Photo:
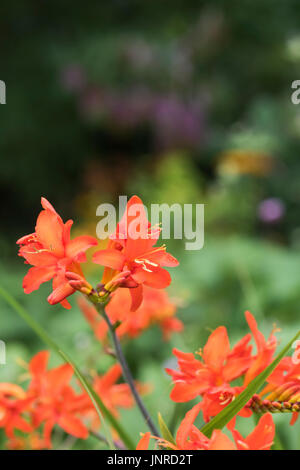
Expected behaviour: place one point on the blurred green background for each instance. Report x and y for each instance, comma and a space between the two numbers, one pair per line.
176, 101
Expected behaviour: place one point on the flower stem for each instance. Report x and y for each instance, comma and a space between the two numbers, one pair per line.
126, 372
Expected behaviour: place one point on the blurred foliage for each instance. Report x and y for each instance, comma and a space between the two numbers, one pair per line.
176, 101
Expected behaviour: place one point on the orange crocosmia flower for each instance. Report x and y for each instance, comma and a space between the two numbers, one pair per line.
261, 438
215, 399
219, 365
14, 402
211, 377
131, 250
52, 253
115, 395
188, 437
55, 402
156, 308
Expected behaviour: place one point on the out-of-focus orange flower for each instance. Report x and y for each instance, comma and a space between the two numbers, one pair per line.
114, 395
131, 251
188, 437
50, 400
156, 308
211, 377
32, 441
14, 402
55, 402
51, 252
261, 438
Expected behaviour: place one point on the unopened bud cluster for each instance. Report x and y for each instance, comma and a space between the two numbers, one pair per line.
267, 406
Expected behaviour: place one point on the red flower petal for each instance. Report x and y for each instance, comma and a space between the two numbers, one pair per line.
79, 245
186, 425
144, 442
158, 278
110, 258
262, 436
37, 256
162, 258
74, 426
219, 441
49, 231
26, 239
183, 392
47, 206
36, 276
59, 377
217, 348
136, 297
67, 232
257, 335
111, 376
65, 304
38, 364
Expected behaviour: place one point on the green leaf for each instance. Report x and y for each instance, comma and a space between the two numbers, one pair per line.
101, 409
222, 418
166, 433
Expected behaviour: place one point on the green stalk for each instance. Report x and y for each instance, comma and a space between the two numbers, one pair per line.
126, 371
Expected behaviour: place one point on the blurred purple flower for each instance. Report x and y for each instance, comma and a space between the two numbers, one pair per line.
132, 109
175, 123
271, 210
178, 124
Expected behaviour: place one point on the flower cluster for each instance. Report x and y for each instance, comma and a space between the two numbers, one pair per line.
213, 375
131, 260
51, 400
130, 298
52, 253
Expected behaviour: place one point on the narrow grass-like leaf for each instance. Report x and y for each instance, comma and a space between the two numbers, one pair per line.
222, 418
165, 432
101, 409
